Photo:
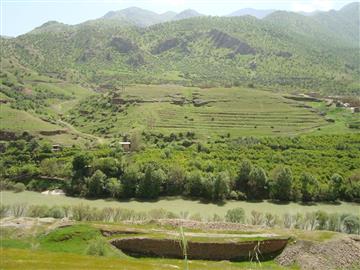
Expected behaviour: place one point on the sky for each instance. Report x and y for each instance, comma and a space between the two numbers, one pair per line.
21, 16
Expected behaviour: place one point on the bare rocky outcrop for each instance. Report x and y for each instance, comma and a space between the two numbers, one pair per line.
170, 248
123, 45
341, 253
224, 40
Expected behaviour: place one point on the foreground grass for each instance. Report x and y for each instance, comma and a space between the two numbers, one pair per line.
29, 259
67, 248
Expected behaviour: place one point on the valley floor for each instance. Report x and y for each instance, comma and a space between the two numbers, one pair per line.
178, 205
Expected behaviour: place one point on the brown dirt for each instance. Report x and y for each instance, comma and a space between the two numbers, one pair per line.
341, 253
192, 224
170, 248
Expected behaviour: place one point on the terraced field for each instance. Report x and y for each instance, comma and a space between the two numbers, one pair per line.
238, 111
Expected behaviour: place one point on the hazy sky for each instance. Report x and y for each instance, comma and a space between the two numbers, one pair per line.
21, 16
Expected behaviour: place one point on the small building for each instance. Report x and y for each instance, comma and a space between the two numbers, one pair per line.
56, 147
355, 109
126, 146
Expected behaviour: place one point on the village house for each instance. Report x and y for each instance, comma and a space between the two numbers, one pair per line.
126, 146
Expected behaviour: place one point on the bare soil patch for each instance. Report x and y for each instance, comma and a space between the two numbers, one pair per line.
341, 253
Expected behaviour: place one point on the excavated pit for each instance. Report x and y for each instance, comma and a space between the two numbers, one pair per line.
170, 248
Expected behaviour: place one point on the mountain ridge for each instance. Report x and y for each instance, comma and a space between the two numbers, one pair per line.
284, 49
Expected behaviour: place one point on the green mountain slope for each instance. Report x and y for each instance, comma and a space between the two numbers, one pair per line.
318, 52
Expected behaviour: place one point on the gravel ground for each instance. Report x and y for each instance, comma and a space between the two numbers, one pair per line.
341, 253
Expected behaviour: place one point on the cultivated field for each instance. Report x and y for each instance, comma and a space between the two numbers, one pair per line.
167, 108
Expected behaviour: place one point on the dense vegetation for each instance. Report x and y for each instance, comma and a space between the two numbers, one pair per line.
284, 49
277, 168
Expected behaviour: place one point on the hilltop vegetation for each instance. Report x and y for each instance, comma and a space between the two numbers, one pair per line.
284, 49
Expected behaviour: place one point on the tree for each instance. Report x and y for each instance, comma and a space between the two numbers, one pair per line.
81, 163
130, 181
207, 187
336, 187
114, 187
309, 187
243, 175
110, 166
257, 183
96, 184
150, 184
281, 184
175, 180
221, 186
193, 184
81, 169
236, 215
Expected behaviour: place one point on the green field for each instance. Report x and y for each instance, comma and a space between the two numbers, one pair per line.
237, 111
178, 205
17, 120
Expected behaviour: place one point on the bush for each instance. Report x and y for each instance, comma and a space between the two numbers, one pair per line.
19, 187
6, 185
351, 224
97, 247
4, 209
236, 215
81, 212
56, 212
37, 211
18, 209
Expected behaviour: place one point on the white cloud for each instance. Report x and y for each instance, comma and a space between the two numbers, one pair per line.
309, 6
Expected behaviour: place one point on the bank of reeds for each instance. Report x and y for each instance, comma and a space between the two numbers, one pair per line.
318, 220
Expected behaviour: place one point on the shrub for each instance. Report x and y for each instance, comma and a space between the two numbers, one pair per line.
37, 211
97, 247
4, 210
81, 212
351, 224
256, 218
157, 213
19, 187
6, 185
18, 209
196, 217
236, 215
56, 212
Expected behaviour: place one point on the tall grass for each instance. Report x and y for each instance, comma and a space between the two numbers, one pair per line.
319, 220
184, 248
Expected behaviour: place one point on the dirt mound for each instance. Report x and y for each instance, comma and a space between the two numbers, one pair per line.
170, 248
26, 223
192, 224
341, 253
